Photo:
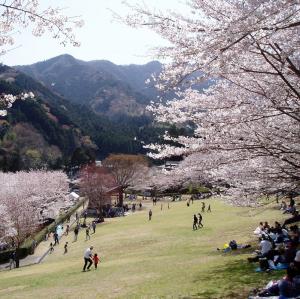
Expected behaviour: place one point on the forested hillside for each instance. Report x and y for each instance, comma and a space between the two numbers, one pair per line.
51, 131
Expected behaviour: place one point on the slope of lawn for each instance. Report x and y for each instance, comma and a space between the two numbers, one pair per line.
162, 258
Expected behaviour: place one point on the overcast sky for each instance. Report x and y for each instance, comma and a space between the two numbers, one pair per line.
101, 37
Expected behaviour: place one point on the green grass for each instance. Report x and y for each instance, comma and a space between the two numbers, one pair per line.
162, 258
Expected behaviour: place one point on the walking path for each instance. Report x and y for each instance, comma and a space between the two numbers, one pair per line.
43, 248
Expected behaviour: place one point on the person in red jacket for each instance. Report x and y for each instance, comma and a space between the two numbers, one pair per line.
96, 260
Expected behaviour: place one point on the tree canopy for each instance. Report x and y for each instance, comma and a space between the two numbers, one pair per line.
248, 122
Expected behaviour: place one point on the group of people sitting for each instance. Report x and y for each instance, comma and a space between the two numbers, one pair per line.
278, 250
291, 208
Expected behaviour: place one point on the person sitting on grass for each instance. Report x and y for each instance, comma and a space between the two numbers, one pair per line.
287, 287
266, 246
293, 219
259, 230
232, 245
294, 234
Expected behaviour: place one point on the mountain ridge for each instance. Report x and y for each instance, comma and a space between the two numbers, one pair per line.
108, 88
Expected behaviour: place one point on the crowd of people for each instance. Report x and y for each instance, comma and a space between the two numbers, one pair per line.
278, 250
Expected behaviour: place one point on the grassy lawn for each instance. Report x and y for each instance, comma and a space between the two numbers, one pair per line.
162, 258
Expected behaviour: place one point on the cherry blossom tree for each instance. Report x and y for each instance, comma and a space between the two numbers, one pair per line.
159, 179
125, 169
95, 182
247, 123
16, 15
25, 197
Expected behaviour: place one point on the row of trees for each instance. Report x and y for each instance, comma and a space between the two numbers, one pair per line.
248, 122
26, 198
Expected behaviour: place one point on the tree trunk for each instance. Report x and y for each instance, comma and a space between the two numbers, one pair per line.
17, 257
120, 203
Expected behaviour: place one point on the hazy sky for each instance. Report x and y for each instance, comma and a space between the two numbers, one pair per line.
101, 37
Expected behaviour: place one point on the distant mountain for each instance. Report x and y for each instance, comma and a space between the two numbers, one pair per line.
51, 131
107, 88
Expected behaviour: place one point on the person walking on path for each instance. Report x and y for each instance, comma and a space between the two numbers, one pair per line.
88, 258
67, 229
209, 209
55, 236
76, 231
150, 214
200, 220
66, 248
94, 226
96, 260
203, 206
195, 222
51, 247
87, 233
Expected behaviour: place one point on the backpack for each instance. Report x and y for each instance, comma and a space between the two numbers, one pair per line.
233, 245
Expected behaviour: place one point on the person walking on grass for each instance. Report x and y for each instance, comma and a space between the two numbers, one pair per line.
150, 215
203, 206
76, 231
12, 260
200, 220
87, 233
96, 260
195, 222
88, 261
94, 226
209, 209
66, 248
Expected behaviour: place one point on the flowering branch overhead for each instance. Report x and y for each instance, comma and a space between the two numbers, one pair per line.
247, 123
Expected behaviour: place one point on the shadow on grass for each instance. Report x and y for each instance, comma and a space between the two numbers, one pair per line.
233, 280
